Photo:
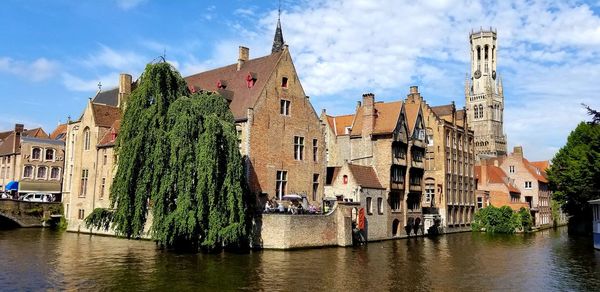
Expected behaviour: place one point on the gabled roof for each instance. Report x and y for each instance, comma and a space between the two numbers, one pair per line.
535, 171
105, 115
242, 97
6, 146
386, 118
3, 135
496, 175
108, 97
108, 139
542, 165
338, 124
442, 110
59, 133
365, 176
37, 133
412, 112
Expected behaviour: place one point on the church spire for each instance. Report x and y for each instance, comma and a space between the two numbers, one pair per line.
278, 39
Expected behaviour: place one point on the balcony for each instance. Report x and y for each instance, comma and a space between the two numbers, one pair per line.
415, 188
416, 164
399, 161
397, 185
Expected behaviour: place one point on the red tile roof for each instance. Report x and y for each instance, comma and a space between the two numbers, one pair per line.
108, 140
496, 175
105, 115
386, 118
338, 124
6, 146
59, 132
537, 172
412, 112
242, 97
442, 110
365, 176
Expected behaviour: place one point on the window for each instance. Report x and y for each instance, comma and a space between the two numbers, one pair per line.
41, 172
345, 179
86, 139
315, 186
417, 155
369, 206
81, 214
284, 82
27, 171
298, 148
55, 173
397, 174
36, 154
514, 199
511, 169
102, 187
395, 201
480, 111
380, 206
399, 150
347, 130
429, 140
2, 173
104, 157
528, 185
284, 107
84, 182
281, 183
479, 202
315, 150
50, 154
475, 112
429, 193
415, 180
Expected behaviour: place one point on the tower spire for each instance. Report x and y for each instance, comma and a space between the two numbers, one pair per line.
278, 39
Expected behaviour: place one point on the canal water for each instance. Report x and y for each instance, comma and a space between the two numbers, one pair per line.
40, 259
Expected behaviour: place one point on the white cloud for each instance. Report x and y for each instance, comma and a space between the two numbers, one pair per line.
129, 4
548, 56
75, 83
113, 59
38, 70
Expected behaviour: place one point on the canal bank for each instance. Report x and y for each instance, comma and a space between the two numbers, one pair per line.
548, 260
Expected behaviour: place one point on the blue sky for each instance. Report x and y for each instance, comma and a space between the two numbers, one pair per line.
53, 54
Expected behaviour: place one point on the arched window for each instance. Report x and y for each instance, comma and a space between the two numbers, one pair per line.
41, 172
86, 138
36, 153
475, 112
28, 171
345, 179
486, 51
478, 53
50, 154
481, 111
55, 173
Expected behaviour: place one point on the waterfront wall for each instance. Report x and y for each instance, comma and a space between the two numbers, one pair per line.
282, 231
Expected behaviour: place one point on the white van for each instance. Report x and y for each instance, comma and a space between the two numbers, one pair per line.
35, 197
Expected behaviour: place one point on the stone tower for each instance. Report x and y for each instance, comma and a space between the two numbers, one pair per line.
484, 96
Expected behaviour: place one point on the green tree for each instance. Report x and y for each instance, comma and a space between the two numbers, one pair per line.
496, 220
525, 219
178, 158
575, 174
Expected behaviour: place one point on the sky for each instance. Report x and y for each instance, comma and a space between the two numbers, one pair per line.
53, 54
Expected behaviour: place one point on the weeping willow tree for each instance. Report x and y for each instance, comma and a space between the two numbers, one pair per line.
178, 152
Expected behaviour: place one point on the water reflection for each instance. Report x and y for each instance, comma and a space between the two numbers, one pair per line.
34, 259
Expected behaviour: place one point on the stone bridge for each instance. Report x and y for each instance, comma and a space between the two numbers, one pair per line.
28, 214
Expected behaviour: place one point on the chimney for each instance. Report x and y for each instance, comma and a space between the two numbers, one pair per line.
518, 151
19, 128
368, 104
413, 94
243, 57
483, 174
414, 89
124, 89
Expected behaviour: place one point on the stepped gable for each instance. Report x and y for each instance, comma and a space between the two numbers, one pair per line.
237, 82
365, 176
386, 118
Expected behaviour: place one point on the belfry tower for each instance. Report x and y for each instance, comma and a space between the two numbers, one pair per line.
484, 96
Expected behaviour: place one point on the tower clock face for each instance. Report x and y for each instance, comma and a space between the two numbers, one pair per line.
477, 74
494, 74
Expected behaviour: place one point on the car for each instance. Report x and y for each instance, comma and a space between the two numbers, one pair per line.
36, 197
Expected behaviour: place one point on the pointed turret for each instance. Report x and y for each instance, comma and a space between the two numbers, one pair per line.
467, 86
500, 89
278, 42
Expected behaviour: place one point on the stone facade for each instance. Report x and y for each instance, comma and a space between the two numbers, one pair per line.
449, 161
32, 159
484, 96
532, 182
390, 140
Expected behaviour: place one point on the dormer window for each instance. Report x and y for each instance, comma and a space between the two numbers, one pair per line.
347, 130
284, 82
251, 79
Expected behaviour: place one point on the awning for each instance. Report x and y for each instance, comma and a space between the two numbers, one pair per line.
12, 186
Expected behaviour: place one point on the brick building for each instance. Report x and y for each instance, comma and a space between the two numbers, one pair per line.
377, 159
30, 162
496, 188
449, 159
